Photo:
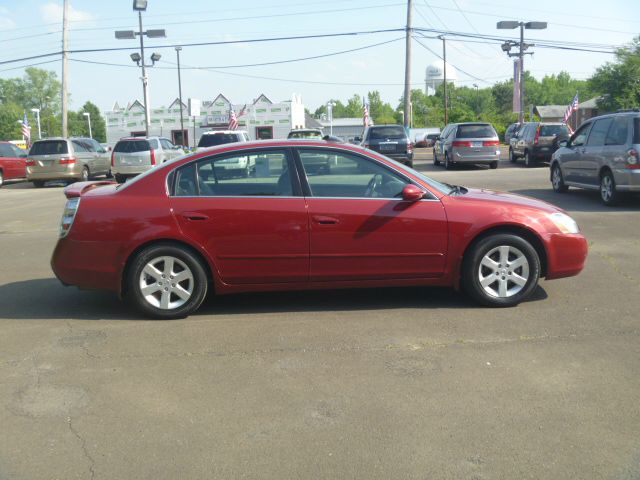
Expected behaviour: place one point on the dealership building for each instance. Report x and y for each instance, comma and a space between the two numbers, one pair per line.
261, 119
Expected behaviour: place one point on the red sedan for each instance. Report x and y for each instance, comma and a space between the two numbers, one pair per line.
12, 163
304, 215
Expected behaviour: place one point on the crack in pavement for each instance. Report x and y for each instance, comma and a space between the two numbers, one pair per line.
83, 445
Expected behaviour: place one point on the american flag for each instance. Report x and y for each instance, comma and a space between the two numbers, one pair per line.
365, 114
26, 129
233, 120
571, 108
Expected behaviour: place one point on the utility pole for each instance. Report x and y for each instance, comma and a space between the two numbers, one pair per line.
65, 68
180, 98
145, 79
407, 68
521, 65
446, 97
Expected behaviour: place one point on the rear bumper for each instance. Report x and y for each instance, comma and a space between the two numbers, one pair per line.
627, 180
463, 157
542, 153
36, 174
130, 170
399, 157
567, 254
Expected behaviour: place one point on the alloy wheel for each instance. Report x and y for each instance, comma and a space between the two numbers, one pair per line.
166, 282
503, 271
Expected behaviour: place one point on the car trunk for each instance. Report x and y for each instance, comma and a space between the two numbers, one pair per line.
50, 156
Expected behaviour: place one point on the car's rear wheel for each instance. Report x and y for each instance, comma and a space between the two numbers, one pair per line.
608, 193
448, 164
120, 178
38, 183
1, 179
436, 162
409, 164
557, 181
84, 176
493, 165
501, 270
166, 281
528, 163
512, 156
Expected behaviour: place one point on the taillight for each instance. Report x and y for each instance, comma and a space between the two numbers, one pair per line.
67, 161
113, 159
410, 147
152, 152
366, 145
535, 140
491, 143
632, 160
459, 143
30, 162
68, 215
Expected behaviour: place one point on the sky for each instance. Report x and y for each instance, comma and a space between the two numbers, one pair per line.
343, 65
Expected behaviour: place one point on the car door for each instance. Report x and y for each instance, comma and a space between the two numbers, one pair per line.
571, 157
255, 228
439, 142
615, 150
587, 170
84, 155
103, 160
361, 229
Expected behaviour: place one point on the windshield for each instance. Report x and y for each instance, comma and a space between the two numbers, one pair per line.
213, 139
476, 131
394, 131
442, 187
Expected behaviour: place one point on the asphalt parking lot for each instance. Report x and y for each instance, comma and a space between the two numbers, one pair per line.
362, 384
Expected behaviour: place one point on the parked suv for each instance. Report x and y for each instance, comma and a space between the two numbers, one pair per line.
133, 156
70, 159
601, 155
390, 140
536, 142
473, 142
220, 137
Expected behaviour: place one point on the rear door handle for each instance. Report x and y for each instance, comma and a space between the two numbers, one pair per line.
322, 220
195, 216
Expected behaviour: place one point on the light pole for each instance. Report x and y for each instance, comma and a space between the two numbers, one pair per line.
37, 112
477, 100
180, 98
506, 47
141, 6
88, 115
330, 114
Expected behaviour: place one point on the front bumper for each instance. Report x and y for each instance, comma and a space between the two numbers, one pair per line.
566, 255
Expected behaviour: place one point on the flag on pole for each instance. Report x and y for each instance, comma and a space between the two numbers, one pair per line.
26, 129
571, 108
365, 113
233, 120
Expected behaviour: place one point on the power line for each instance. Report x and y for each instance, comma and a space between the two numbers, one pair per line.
456, 67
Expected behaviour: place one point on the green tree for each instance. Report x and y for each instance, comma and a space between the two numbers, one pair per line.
79, 126
10, 114
619, 82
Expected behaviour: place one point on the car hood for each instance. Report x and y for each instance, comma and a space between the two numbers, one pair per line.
506, 198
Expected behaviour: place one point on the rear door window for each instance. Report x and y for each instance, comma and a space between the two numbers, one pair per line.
599, 132
618, 132
476, 131
49, 147
551, 130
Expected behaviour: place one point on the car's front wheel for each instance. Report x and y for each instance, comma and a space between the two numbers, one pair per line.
501, 270
166, 281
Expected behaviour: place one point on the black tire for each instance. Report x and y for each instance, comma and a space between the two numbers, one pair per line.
557, 180
120, 178
448, 164
436, 162
1, 179
609, 195
528, 163
38, 183
512, 156
151, 305
493, 165
409, 164
85, 175
474, 271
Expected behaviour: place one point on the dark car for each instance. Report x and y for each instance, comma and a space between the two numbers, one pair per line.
390, 140
12, 163
511, 131
536, 142
166, 238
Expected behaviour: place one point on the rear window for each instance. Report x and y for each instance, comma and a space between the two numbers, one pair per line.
49, 147
307, 134
387, 132
476, 131
132, 146
211, 140
636, 131
433, 136
551, 130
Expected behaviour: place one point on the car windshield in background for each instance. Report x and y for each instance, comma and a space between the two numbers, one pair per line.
49, 147
217, 139
433, 136
636, 131
475, 131
132, 146
317, 135
551, 130
378, 133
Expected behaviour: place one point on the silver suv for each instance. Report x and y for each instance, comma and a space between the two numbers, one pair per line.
135, 155
471, 143
70, 159
601, 155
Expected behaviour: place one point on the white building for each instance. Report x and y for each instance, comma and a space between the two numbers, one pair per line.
262, 119
435, 76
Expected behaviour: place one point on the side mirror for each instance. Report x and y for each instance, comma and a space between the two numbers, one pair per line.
411, 193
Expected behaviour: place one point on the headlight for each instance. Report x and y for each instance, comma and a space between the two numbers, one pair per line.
564, 222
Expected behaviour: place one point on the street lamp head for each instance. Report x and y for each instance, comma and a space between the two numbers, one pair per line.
125, 34
140, 5
155, 57
158, 33
35, 110
535, 25
178, 49
506, 47
135, 57
86, 114
507, 25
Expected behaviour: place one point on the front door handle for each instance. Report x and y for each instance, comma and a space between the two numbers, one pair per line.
322, 220
195, 216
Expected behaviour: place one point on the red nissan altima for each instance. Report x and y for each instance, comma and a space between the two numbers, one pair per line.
290, 215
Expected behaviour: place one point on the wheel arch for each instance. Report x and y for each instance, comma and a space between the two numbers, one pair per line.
527, 234
208, 267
